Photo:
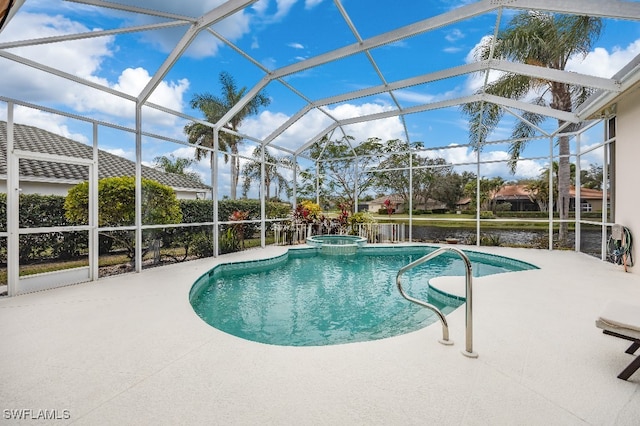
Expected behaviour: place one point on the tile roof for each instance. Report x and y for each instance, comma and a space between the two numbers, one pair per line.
520, 191
512, 192
29, 138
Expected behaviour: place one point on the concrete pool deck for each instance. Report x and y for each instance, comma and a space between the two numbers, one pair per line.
130, 350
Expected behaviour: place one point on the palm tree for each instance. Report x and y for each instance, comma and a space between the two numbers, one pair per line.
546, 40
252, 171
176, 165
214, 108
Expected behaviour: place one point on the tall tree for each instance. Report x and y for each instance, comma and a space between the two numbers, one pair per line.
252, 170
592, 178
488, 188
449, 188
343, 168
214, 108
426, 172
176, 165
546, 40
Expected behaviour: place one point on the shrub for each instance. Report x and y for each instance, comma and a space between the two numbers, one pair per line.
37, 210
202, 243
490, 240
116, 207
503, 207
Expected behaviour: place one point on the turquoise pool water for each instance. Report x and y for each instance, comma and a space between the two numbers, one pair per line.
305, 298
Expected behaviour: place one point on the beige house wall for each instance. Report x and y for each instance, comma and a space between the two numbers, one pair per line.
627, 160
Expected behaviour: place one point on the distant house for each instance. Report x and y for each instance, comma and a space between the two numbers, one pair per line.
464, 204
518, 197
52, 178
399, 205
396, 203
590, 199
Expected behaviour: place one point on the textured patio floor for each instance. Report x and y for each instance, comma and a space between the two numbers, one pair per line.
130, 350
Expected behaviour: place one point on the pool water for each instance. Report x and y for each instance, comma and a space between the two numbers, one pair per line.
305, 298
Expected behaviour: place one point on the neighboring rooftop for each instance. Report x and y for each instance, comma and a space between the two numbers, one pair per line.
34, 139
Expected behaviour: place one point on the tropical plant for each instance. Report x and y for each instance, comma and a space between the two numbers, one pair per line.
239, 228
546, 40
538, 189
488, 188
307, 212
176, 165
360, 218
214, 108
252, 171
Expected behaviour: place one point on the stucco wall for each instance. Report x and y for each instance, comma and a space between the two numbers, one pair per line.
627, 162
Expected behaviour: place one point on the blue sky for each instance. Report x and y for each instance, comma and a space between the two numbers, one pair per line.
276, 33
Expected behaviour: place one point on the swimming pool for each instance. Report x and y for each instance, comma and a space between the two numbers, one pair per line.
305, 298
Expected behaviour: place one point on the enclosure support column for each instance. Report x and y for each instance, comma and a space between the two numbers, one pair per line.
411, 197
263, 192
356, 188
138, 190
295, 181
317, 183
478, 197
214, 190
551, 193
13, 192
609, 178
605, 216
94, 246
577, 204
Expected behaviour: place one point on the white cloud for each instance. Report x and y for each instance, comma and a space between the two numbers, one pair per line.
309, 4
451, 49
233, 27
599, 62
43, 120
129, 155
454, 35
602, 63
471, 56
315, 122
295, 45
260, 7
496, 162
263, 124
413, 96
283, 8
81, 58
78, 57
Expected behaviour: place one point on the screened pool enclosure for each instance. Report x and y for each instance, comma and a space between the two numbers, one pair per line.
375, 112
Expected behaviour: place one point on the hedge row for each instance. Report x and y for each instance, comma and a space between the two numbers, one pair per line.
48, 210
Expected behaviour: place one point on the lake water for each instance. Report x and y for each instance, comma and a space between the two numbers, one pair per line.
590, 238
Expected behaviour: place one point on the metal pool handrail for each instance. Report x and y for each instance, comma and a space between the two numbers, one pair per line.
469, 311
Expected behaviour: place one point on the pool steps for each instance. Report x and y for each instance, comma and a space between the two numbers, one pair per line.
468, 352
